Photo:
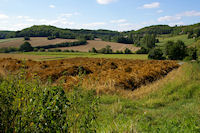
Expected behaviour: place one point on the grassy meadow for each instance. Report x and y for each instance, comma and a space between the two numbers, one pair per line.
61, 55
165, 38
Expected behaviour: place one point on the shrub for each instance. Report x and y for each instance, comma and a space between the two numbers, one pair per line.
26, 47
119, 52
33, 107
192, 53
127, 51
94, 50
35, 49
175, 50
51, 37
66, 50
156, 54
26, 38
41, 50
142, 51
8, 50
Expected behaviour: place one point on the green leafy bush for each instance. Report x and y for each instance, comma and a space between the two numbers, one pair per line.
26, 47
32, 107
156, 54
127, 51
142, 51
176, 50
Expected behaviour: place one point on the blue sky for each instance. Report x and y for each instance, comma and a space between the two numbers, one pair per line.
120, 15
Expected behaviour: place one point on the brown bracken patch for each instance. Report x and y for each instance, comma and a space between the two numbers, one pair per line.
104, 75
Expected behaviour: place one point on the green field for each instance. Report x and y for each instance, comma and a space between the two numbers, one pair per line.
61, 55
7, 40
165, 38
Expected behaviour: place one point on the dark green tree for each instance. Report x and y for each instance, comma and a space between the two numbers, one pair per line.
192, 53
176, 51
156, 54
149, 41
108, 49
127, 51
142, 51
26, 38
94, 50
26, 47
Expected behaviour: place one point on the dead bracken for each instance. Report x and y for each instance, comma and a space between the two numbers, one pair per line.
122, 73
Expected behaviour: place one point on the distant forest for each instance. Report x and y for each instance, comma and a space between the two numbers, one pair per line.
128, 37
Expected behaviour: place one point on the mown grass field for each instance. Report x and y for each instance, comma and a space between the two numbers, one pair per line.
98, 44
34, 41
62, 55
165, 38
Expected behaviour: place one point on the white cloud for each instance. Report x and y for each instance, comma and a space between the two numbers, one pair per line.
151, 5
23, 17
105, 2
118, 21
190, 13
3, 16
169, 18
160, 11
52, 6
179, 16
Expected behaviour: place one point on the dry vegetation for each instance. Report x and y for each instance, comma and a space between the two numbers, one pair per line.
98, 44
104, 75
35, 41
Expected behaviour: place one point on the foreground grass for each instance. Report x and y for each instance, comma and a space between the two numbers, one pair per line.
165, 38
174, 107
56, 55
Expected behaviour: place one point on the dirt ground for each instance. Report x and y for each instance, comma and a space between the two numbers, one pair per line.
104, 75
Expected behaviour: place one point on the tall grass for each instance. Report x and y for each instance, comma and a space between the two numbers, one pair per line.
174, 107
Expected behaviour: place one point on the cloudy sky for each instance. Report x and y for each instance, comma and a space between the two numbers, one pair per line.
120, 15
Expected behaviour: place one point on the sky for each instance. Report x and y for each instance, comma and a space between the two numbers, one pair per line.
118, 15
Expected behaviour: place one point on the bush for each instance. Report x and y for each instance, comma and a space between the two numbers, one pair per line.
35, 49
192, 53
94, 50
8, 50
176, 50
66, 50
26, 47
51, 37
33, 107
127, 51
41, 50
26, 38
156, 54
119, 52
54, 50
142, 51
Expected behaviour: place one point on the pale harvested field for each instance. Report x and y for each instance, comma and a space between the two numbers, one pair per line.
101, 44
35, 41
24, 56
